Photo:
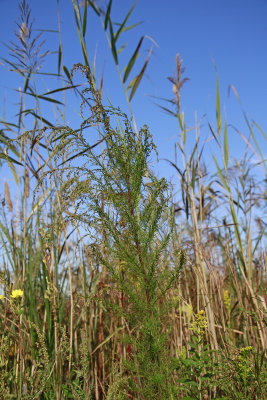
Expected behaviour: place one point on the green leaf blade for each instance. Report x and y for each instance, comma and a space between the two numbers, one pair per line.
132, 60
226, 145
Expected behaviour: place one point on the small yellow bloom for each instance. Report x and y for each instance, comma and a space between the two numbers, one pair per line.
245, 352
200, 324
1, 296
244, 359
16, 293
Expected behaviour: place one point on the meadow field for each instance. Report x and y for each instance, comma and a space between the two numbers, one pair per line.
117, 283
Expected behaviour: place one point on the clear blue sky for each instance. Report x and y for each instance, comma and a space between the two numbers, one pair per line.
231, 32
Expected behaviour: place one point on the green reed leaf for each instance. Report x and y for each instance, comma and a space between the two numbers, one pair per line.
10, 159
218, 109
121, 48
94, 7
107, 17
122, 27
132, 60
113, 43
226, 145
213, 134
140, 76
85, 19
221, 175
59, 58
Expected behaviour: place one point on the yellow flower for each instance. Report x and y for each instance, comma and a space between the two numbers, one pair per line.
245, 352
244, 359
1, 296
200, 324
16, 293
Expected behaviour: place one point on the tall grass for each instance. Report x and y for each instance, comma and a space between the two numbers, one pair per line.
115, 283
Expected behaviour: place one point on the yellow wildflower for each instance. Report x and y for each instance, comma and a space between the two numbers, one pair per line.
200, 324
244, 352
244, 360
16, 293
1, 296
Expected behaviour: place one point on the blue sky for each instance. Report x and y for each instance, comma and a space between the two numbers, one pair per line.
232, 33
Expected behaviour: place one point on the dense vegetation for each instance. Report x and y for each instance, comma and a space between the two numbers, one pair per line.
116, 284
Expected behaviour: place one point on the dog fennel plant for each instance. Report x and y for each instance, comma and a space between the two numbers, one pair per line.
123, 207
